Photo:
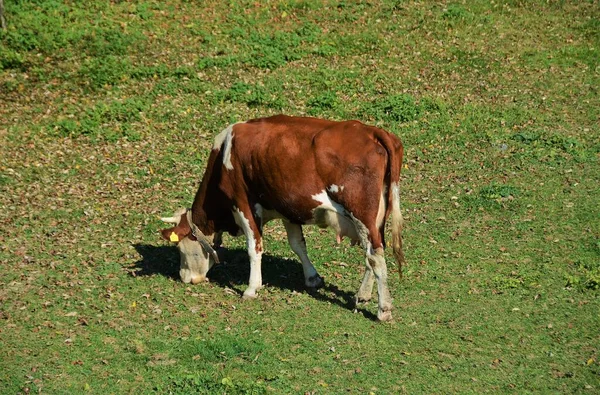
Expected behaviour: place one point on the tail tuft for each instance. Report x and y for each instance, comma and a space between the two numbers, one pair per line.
397, 223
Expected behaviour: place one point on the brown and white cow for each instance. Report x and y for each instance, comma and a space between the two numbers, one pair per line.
342, 175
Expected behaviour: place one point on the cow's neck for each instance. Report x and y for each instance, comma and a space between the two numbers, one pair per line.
200, 218
208, 210
200, 209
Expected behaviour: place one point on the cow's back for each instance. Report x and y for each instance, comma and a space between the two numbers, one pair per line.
282, 162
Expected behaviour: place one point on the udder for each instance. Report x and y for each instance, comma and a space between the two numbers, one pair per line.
341, 225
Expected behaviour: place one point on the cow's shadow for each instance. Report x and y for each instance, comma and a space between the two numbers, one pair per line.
234, 270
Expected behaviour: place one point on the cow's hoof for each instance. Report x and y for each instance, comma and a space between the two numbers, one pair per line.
384, 315
361, 299
249, 295
315, 282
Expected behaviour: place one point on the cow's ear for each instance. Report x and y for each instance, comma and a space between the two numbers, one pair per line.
171, 234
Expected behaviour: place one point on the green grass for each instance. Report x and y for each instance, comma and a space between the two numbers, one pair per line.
107, 116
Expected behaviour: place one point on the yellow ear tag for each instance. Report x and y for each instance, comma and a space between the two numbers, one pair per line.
174, 238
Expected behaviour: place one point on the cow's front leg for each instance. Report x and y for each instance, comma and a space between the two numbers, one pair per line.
255, 254
255, 248
298, 245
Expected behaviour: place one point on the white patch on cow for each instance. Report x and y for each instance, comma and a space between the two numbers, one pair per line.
224, 141
255, 281
327, 203
220, 138
335, 188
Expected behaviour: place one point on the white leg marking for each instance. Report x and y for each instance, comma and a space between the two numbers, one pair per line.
366, 287
376, 265
255, 281
294, 234
224, 141
377, 262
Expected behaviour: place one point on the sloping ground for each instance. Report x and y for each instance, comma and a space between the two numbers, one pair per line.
107, 114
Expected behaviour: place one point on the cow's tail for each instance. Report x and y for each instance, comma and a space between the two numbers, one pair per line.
395, 152
397, 223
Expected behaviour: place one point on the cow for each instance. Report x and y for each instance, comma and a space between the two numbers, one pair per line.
342, 175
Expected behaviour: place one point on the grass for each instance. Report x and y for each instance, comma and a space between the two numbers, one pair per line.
107, 115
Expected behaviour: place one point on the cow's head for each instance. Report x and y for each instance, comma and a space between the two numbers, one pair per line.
197, 255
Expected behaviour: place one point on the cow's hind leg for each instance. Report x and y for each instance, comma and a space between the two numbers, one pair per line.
377, 261
371, 241
366, 287
255, 248
298, 245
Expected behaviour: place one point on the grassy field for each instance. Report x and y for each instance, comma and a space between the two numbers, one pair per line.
107, 115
